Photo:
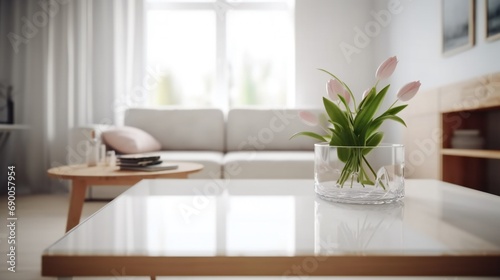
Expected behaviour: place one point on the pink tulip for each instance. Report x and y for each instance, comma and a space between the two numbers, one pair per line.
308, 118
386, 69
408, 91
334, 88
346, 96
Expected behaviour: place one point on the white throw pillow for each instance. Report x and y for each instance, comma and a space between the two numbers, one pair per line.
130, 140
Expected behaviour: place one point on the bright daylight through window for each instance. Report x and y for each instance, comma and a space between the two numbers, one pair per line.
221, 53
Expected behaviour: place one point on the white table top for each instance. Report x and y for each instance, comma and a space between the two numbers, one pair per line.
284, 218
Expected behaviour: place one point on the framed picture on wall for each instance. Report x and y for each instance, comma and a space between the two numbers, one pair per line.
492, 20
457, 25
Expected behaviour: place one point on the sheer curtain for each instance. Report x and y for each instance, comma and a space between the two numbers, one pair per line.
72, 62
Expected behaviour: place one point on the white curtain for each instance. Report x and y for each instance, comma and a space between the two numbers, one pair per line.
72, 62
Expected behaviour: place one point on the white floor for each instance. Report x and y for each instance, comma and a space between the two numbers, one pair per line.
41, 221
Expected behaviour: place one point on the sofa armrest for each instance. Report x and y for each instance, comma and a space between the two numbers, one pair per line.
78, 139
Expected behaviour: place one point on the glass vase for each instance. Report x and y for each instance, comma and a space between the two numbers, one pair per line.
360, 175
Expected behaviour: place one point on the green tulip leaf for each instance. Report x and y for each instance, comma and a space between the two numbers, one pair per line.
336, 115
343, 154
373, 141
369, 110
368, 98
310, 134
395, 110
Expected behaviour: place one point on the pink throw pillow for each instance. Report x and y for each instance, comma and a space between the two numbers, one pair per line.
130, 140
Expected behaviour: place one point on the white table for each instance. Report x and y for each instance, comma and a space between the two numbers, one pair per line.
279, 227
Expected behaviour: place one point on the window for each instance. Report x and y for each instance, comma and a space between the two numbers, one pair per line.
221, 53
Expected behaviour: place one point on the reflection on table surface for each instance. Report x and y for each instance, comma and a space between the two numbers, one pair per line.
284, 218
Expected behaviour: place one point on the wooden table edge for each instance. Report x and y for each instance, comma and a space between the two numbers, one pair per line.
132, 175
381, 265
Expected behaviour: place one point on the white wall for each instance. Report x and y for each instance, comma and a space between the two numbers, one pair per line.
414, 36
350, 39
320, 28
412, 32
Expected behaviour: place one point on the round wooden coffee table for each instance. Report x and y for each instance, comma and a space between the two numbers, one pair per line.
83, 176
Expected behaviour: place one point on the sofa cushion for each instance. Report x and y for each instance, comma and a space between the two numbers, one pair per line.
130, 140
265, 129
181, 129
269, 165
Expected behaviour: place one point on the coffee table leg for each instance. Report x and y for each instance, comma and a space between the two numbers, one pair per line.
78, 189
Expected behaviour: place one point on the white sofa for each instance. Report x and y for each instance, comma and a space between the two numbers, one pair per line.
242, 144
